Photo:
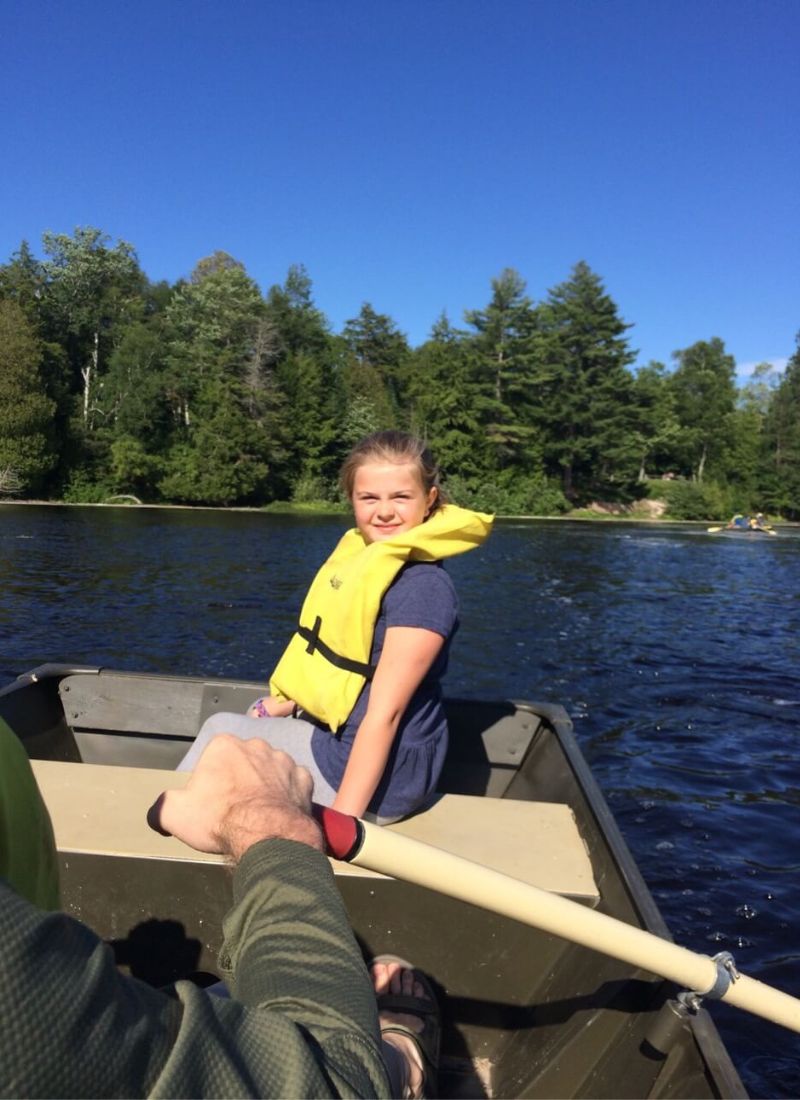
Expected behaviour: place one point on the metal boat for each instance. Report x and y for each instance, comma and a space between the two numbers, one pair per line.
526, 1013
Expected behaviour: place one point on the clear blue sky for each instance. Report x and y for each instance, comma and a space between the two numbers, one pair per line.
406, 152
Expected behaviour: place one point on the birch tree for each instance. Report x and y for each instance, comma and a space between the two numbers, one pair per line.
92, 286
705, 396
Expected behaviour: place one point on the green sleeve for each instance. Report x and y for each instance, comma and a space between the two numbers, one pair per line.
27, 851
301, 1022
303, 961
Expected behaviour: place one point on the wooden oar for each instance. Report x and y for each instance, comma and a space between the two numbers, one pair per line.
379, 849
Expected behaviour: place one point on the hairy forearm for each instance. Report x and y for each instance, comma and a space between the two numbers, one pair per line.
252, 821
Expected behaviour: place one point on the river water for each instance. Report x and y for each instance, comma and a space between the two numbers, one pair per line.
676, 654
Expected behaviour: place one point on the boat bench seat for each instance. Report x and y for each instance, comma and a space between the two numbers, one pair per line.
100, 809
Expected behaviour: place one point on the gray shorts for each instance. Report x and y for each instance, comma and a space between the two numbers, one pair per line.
291, 735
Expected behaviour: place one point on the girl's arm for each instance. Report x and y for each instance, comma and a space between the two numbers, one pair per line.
407, 655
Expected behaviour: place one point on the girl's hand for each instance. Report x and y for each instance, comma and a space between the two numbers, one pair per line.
270, 707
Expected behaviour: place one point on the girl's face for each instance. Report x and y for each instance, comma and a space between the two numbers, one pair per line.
388, 498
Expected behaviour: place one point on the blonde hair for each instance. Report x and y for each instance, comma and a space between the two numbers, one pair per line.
395, 447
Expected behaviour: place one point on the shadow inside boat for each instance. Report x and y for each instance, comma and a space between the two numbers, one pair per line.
158, 952
632, 996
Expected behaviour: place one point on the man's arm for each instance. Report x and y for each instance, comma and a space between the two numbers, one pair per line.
302, 1020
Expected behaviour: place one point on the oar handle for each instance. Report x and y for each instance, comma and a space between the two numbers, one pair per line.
343, 833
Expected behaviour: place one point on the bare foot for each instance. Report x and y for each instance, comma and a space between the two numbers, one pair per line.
392, 978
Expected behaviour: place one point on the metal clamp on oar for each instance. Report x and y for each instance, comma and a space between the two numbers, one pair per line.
727, 974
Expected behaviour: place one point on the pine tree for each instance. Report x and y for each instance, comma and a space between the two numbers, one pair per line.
782, 442
379, 353
446, 402
501, 349
585, 406
300, 328
22, 280
26, 413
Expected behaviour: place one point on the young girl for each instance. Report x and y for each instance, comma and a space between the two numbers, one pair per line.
356, 696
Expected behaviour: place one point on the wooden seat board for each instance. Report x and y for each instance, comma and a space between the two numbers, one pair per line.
101, 809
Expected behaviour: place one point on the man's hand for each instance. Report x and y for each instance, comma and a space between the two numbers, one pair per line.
239, 793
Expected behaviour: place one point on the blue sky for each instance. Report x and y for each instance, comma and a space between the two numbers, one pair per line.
406, 152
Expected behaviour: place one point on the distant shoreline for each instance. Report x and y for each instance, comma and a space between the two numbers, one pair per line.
294, 510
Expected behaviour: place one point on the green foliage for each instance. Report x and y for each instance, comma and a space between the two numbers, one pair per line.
314, 397
211, 330
22, 280
86, 487
222, 463
133, 469
705, 395
360, 419
368, 400
448, 405
134, 400
509, 494
308, 507
781, 443
693, 500
207, 392
586, 406
91, 287
757, 393
656, 431
309, 489
500, 359
379, 352
26, 413
298, 326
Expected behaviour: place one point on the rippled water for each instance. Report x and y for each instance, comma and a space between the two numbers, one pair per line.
676, 653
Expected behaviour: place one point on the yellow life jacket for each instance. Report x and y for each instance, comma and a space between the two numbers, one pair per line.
326, 663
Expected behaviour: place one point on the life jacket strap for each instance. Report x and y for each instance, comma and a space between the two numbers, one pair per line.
316, 644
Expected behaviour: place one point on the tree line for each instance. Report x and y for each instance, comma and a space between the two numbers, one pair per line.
210, 391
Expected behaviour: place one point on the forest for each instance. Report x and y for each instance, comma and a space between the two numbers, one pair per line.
213, 392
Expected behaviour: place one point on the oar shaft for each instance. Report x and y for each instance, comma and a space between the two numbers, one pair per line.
763, 1000
411, 860
379, 849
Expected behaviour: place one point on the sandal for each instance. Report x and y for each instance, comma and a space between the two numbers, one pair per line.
428, 1040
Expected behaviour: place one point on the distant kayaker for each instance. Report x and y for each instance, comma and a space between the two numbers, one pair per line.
356, 696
